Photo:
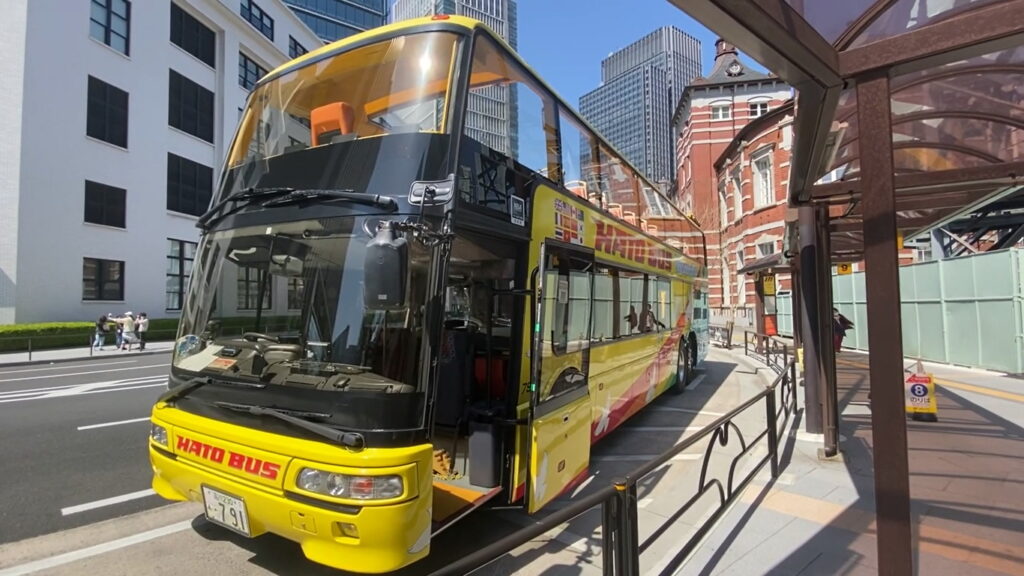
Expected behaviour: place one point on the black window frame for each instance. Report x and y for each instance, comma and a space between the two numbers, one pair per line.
249, 71
295, 49
101, 279
257, 17
107, 108
201, 185
246, 300
108, 204
190, 106
108, 30
192, 36
179, 275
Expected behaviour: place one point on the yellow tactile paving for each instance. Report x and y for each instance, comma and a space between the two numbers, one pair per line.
957, 546
954, 384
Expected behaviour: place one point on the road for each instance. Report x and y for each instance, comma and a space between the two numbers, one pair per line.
74, 442
74, 434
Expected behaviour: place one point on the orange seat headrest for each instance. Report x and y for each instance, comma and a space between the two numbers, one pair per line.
331, 120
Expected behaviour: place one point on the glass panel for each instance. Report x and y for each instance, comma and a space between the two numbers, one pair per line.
933, 159
845, 119
507, 111
97, 31
830, 19
620, 184
604, 313
907, 15
396, 86
994, 139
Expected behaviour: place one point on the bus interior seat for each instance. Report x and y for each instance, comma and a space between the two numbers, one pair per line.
281, 352
330, 121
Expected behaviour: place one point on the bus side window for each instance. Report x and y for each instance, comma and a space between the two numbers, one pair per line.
567, 304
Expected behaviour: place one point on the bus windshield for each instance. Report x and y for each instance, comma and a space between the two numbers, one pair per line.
281, 309
327, 124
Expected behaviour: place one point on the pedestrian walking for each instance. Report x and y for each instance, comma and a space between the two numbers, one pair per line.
100, 338
141, 327
840, 324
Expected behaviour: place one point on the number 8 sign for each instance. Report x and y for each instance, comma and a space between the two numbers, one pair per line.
920, 397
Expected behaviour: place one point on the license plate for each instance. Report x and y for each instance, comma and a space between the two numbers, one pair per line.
226, 510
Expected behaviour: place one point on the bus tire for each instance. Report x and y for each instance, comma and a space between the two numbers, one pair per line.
683, 365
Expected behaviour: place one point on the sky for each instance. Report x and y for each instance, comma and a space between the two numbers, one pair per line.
565, 40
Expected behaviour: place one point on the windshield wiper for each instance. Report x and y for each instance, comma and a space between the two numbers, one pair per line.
300, 196
199, 381
242, 198
302, 420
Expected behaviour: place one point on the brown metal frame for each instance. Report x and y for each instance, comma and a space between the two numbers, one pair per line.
774, 33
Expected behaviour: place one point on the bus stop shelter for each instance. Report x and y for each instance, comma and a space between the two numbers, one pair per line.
918, 105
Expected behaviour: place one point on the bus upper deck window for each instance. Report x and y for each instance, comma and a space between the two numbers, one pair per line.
330, 120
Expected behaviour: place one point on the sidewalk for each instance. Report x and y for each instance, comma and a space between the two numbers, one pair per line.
966, 479
79, 353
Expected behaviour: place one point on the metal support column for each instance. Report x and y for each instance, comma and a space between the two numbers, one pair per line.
885, 336
827, 357
809, 319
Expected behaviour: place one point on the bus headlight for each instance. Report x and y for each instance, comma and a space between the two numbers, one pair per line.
346, 486
158, 434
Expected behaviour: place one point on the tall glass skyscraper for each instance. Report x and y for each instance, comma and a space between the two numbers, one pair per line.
335, 19
640, 85
491, 117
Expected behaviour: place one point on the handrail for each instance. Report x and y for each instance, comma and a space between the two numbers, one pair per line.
620, 545
766, 348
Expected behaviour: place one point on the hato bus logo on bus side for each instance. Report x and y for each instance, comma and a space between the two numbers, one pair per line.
235, 460
612, 240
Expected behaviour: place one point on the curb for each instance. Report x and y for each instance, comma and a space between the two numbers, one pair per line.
79, 359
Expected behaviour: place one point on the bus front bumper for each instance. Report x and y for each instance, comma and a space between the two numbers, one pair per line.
368, 539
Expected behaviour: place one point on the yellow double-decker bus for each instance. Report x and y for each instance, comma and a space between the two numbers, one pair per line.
425, 285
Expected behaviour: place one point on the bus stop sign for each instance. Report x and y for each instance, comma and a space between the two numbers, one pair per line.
920, 396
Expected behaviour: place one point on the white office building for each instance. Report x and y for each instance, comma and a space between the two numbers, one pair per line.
114, 119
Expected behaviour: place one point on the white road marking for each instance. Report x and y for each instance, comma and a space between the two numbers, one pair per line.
82, 373
83, 553
686, 410
105, 424
643, 457
106, 502
80, 389
695, 382
663, 428
90, 365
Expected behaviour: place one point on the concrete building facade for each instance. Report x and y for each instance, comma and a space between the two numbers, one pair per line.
640, 84
116, 118
710, 114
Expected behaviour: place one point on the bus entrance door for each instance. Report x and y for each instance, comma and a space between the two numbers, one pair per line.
560, 405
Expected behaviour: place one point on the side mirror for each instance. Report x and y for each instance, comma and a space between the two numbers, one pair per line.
385, 270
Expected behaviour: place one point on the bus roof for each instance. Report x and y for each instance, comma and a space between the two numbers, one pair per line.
446, 21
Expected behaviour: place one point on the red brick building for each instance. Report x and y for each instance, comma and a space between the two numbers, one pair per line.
710, 115
752, 191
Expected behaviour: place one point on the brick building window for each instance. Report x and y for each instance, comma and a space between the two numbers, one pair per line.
758, 108
765, 248
764, 194
721, 112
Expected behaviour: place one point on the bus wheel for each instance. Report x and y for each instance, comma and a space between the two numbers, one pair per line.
682, 368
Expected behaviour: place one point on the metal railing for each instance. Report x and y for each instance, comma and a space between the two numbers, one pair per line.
767, 349
620, 543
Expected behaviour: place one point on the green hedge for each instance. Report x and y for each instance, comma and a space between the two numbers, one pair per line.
44, 335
